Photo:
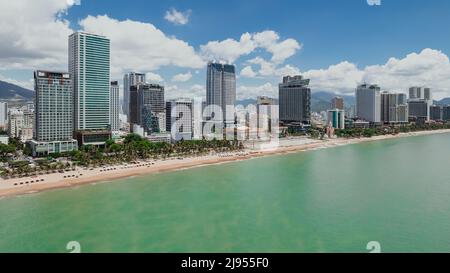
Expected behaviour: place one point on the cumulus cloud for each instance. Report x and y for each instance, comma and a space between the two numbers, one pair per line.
194, 91
339, 78
141, 46
230, 50
248, 72
33, 34
251, 92
427, 68
153, 77
281, 51
182, 77
270, 69
177, 17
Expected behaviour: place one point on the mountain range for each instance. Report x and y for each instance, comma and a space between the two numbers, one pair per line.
320, 100
9, 91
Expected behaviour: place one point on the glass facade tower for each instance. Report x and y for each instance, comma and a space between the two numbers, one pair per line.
89, 67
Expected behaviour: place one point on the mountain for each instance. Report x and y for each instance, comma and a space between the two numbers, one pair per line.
9, 91
320, 101
445, 101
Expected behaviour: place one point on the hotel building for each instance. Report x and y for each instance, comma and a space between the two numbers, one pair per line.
54, 114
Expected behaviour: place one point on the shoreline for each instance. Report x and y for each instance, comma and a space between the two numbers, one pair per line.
111, 173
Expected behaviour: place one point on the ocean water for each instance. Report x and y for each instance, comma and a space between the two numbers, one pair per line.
395, 192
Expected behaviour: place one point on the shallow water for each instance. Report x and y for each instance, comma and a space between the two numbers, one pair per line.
396, 192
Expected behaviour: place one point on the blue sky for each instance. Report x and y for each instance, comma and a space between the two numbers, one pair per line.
357, 40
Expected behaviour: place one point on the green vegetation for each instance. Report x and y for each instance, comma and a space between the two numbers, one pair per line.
387, 130
135, 148
132, 148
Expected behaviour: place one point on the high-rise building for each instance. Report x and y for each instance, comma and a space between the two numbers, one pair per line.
89, 67
393, 108
337, 103
420, 100
15, 123
436, 112
179, 118
265, 111
419, 109
150, 105
221, 90
294, 97
416, 92
336, 118
53, 131
368, 103
129, 80
114, 106
3, 114
446, 113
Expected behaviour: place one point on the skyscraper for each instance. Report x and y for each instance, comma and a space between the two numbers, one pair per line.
446, 113
436, 112
221, 89
180, 121
336, 118
419, 109
150, 103
129, 80
337, 103
114, 106
368, 102
393, 108
295, 100
420, 100
54, 113
3, 114
416, 92
89, 67
15, 123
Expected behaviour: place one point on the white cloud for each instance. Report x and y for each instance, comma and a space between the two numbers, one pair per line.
428, 68
141, 46
281, 51
251, 92
271, 69
248, 72
194, 91
153, 77
25, 84
33, 35
182, 77
339, 78
177, 17
230, 50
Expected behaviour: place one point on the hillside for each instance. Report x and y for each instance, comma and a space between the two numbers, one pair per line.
9, 91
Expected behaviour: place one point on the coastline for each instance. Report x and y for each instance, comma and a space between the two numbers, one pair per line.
108, 174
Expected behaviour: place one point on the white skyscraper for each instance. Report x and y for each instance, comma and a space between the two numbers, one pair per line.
3, 114
368, 103
114, 106
180, 121
15, 123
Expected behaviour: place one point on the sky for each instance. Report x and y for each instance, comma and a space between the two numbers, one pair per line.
335, 43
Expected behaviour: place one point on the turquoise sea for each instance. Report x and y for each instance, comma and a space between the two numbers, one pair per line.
395, 192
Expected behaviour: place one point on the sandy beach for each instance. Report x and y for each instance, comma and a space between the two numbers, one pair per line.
27, 185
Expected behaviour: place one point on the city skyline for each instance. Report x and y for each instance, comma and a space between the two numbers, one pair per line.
176, 54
